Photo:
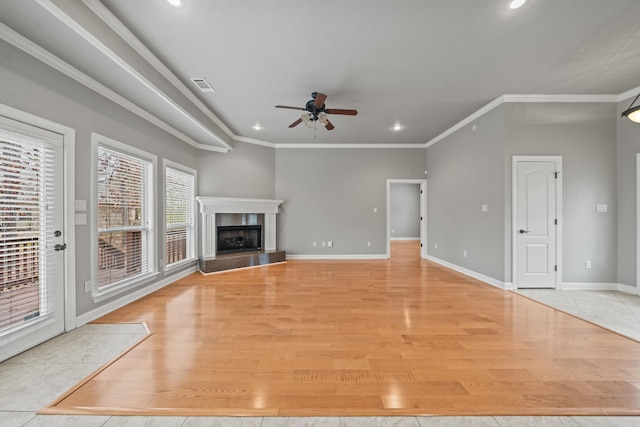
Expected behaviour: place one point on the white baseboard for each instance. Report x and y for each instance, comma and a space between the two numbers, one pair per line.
354, 256
404, 238
129, 298
631, 290
489, 280
569, 286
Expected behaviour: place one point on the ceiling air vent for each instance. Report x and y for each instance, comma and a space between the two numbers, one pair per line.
203, 85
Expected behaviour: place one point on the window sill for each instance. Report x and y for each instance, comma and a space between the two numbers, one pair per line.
99, 296
182, 263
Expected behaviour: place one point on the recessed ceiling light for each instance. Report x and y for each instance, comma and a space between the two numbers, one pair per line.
515, 4
175, 3
257, 126
397, 127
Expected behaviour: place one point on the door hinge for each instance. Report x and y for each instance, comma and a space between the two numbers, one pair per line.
555, 222
420, 244
420, 218
556, 174
420, 191
555, 268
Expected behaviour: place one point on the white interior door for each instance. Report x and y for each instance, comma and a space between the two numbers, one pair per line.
536, 227
31, 236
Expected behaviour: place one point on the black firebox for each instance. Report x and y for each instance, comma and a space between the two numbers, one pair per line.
239, 238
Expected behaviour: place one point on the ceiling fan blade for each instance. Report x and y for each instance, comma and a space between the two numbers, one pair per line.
291, 108
296, 123
341, 111
329, 125
318, 102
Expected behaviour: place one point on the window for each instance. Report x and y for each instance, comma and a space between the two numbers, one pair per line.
124, 215
179, 215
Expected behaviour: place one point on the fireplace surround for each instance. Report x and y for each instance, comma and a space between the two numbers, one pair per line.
258, 219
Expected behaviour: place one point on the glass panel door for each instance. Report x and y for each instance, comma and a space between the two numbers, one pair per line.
31, 237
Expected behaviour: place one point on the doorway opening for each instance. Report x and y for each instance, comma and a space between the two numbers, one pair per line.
406, 218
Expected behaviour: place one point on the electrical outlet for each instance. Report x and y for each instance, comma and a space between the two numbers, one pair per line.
330, 244
587, 264
314, 244
324, 244
87, 286
368, 243
464, 253
435, 245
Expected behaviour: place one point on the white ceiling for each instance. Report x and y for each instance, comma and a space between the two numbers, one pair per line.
426, 64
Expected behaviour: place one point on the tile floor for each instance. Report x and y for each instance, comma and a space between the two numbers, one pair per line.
33, 379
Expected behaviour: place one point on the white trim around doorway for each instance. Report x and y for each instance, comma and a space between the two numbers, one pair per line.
514, 212
423, 212
69, 141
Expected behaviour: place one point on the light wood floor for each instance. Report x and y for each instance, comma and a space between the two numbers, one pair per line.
383, 337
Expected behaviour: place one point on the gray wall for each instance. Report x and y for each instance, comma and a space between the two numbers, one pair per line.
404, 206
628, 146
469, 169
329, 195
585, 136
31, 86
247, 171
466, 171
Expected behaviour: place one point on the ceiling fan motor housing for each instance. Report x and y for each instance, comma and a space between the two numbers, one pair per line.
313, 110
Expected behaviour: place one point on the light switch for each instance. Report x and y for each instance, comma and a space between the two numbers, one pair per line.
81, 205
602, 208
485, 208
81, 219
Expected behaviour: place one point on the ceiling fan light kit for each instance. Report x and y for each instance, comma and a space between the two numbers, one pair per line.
633, 113
316, 111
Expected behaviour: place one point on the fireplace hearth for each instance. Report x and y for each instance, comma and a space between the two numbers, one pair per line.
238, 238
223, 246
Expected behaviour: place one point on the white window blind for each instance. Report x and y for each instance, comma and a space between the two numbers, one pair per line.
124, 218
179, 214
27, 169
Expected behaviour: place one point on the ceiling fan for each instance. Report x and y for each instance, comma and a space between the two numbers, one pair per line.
317, 112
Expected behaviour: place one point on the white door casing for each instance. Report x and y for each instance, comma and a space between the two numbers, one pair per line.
423, 213
35, 245
423, 220
63, 303
536, 221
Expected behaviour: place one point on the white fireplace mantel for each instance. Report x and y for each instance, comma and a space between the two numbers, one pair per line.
210, 206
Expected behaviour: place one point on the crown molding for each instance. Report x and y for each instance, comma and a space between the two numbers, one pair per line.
61, 15
474, 116
560, 98
254, 141
350, 146
125, 34
628, 94
319, 145
509, 98
43, 55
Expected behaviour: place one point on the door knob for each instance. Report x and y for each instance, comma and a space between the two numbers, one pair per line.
61, 247
524, 231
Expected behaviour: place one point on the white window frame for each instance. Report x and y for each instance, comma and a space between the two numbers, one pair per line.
97, 294
191, 248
